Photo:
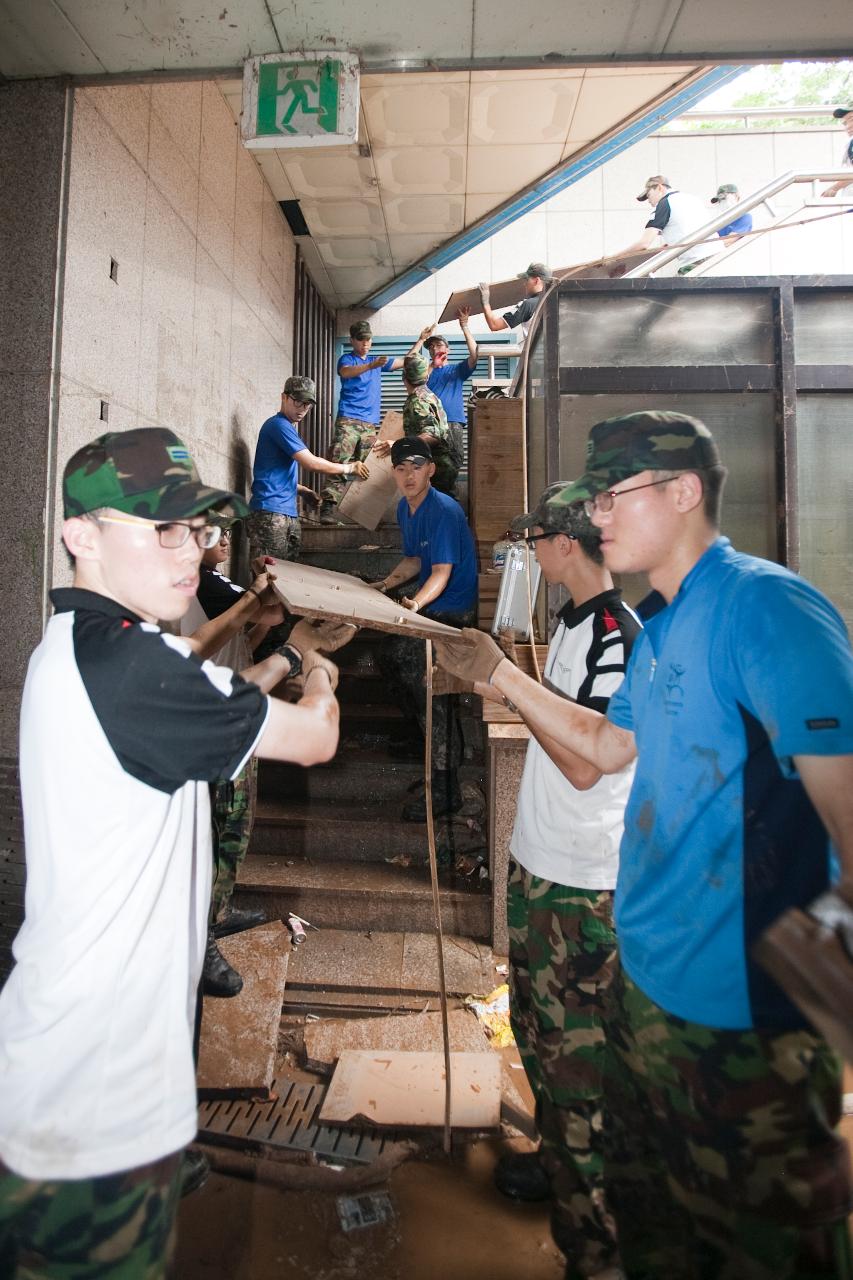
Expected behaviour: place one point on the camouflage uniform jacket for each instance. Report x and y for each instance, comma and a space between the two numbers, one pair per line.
423, 414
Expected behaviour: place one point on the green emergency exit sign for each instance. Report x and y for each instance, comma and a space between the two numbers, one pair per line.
306, 99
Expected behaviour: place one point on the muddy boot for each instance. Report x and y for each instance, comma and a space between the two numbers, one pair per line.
217, 976
236, 919
195, 1168
520, 1175
329, 513
446, 798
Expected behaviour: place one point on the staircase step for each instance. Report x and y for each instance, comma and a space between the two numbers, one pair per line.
370, 564
338, 829
362, 895
322, 538
355, 772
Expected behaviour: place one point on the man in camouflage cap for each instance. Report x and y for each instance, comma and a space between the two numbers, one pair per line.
565, 856
274, 526
424, 416
721, 1101
359, 407
536, 279
122, 730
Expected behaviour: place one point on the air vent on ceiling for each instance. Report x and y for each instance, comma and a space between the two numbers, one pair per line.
293, 214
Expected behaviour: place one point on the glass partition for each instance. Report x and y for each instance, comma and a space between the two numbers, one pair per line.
824, 486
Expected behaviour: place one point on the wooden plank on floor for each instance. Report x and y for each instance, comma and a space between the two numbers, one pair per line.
407, 1089
326, 1040
239, 1036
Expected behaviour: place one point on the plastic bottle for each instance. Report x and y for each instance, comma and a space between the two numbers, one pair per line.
500, 550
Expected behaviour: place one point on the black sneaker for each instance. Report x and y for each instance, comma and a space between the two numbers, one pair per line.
236, 919
217, 976
520, 1175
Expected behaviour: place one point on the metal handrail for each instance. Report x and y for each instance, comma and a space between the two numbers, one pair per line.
785, 180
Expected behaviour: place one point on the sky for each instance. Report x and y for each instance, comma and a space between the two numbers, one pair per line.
757, 78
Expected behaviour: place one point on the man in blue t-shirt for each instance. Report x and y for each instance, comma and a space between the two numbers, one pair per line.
273, 524
721, 1100
447, 381
727, 197
438, 551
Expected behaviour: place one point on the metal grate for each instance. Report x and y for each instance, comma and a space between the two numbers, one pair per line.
291, 1123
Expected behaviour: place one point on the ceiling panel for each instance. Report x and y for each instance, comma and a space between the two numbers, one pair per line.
508, 169
319, 175
522, 110
344, 217
416, 114
352, 251
420, 170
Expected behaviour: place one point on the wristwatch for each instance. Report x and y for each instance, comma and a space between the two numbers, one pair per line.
294, 657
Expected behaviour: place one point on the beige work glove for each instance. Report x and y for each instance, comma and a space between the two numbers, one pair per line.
319, 633
474, 662
311, 661
506, 640
443, 682
357, 469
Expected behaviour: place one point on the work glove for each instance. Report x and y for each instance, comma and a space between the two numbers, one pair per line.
443, 682
357, 469
320, 633
484, 294
474, 662
312, 660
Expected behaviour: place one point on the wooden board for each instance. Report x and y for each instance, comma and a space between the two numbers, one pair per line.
239, 1036
326, 1040
367, 501
319, 593
507, 293
407, 1089
495, 479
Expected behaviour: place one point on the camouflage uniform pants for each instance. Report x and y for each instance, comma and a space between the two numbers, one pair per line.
720, 1156
446, 467
232, 806
402, 660
562, 953
119, 1227
351, 442
272, 534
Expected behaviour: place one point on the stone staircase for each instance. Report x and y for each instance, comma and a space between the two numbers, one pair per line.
329, 843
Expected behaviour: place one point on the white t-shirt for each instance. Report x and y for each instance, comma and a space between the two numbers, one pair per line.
678, 216
561, 834
121, 731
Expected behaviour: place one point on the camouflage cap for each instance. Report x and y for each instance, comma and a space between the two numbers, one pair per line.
553, 518
416, 369
301, 388
536, 269
727, 189
361, 329
654, 440
147, 472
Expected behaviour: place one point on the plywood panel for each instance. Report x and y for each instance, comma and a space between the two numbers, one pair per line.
507, 293
320, 593
367, 501
392, 1088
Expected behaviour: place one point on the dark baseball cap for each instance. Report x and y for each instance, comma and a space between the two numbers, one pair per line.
552, 518
301, 388
656, 440
147, 472
727, 189
840, 112
416, 369
536, 269
435, 337
361, 329
656, 180
410, 449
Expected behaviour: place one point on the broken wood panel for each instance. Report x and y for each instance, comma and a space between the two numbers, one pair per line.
325, 1041
321, 593
368, 501
508, 293
408, 1089
239, 1036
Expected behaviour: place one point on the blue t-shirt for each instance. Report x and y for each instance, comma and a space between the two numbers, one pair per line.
447, 383
741, 224
438, 533
361, 396
747, 667
275, 471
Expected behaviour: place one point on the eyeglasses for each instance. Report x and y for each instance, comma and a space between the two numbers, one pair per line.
603, 502
174, 533
537, 537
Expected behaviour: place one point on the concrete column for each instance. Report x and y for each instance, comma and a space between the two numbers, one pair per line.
35, 118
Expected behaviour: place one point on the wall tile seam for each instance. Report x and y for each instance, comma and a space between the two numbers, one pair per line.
80, 96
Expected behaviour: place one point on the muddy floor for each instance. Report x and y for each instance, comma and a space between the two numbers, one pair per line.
449, 1221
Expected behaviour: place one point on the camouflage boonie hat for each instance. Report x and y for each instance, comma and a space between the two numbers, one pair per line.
416, 369
570, 519
657, 440
361, 329
301, 388
147, 472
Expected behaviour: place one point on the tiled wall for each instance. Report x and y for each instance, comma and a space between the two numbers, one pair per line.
600, 214
196, 332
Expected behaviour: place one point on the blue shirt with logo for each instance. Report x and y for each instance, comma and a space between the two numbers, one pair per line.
438, 533
361, 396
275, 472
747, 667
447, 383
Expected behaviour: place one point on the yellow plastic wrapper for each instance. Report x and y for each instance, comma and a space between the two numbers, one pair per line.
493, 1013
